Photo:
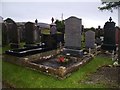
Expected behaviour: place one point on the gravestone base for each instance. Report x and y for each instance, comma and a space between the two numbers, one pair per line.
73, 52
108, 47
34, 45
14, 45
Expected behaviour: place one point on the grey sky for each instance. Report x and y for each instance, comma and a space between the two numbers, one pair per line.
43, 11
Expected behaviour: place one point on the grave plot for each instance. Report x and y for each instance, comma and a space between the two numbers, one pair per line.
19, 58
72, 56
59, 65
51, 62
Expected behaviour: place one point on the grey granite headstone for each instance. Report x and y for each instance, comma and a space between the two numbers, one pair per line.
73, 26
73, 29
90, 39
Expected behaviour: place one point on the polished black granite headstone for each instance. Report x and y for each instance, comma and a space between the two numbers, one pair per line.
109, 36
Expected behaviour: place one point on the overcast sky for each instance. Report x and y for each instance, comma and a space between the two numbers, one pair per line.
44, 11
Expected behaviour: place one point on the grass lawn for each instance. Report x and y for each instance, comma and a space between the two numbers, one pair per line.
21, 77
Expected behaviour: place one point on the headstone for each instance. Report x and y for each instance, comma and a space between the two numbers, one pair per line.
73, 29
13, 33
90, 39
98, 32
117, 35
20, 29
4, 35
119, 47
52, 19
53, 34
1, 22
1, 19
31, 33
53, 29
109, 42
36, 21
37, 34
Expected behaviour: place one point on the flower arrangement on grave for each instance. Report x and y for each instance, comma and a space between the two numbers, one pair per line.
63, 59
46, 57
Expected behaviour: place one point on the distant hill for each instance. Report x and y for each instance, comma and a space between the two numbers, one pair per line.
42, 25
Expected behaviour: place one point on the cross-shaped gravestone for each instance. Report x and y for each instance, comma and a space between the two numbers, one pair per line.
109, 42
110, 19
52, 19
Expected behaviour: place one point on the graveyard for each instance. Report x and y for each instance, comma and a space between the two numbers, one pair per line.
77, 58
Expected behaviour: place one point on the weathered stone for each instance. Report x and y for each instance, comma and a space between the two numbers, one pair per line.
90, 39
12, 32
4, 35
73, 28
29, 33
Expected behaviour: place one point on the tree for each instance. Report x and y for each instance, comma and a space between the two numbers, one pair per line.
110, 6
60, 25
